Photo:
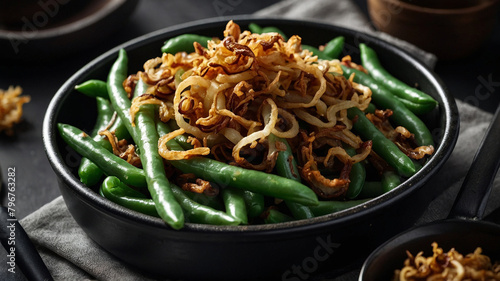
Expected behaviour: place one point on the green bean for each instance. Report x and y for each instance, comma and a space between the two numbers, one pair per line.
275, 216
371, 108
381, 145
158, 185
254, 203
357, 176
255, 181
182, 140
184, 43
328, 207
198, 213
371, 189
235, 204
88, 172
385, 99
116, 191
371, 62
177, 76
117, 94
334, 47
208, 200
255, 28
104, 115
390, 180
418, 166
93, 88
418, 109
286, 166
109, 163
298, 210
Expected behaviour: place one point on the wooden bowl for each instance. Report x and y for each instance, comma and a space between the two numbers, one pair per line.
450, 29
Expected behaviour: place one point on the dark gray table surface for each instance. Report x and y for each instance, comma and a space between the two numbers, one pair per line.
475, 79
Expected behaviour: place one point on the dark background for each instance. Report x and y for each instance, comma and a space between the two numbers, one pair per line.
472, 79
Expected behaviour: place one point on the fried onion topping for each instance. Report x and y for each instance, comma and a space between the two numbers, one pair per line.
233, 94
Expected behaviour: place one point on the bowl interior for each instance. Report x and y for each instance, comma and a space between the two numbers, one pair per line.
73, 108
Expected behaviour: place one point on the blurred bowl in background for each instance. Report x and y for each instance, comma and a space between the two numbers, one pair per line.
37, 30
44, 14
450, 29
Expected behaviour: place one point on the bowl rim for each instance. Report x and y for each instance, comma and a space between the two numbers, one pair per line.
482, 5
91, 198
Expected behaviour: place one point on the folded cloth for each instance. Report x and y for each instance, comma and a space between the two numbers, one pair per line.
71, 255
67, 251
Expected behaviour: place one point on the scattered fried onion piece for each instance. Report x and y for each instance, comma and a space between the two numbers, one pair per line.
11, 108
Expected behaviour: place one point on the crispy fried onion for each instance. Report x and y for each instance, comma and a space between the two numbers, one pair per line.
121, 148
400, 135
178, 155
450, 265
270, 116
11, 108
166, 110
190, 182
233, 77
234, 93
318, 151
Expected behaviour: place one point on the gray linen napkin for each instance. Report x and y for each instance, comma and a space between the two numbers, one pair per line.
71, 255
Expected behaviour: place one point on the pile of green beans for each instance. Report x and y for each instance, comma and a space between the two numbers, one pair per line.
244, 194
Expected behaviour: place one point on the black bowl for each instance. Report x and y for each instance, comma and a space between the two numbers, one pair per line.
463, 235
328, 244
